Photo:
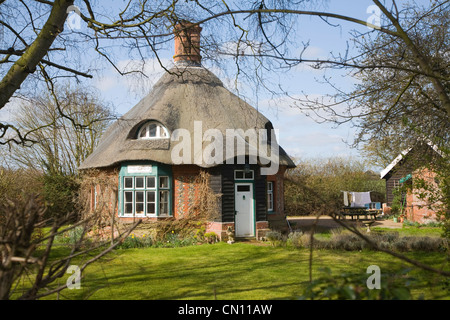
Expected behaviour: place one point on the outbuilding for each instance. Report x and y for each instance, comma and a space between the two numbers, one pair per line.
412, 184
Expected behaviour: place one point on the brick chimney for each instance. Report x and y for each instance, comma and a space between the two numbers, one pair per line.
187, 42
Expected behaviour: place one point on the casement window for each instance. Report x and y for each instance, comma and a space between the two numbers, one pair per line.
244, 175
153, 130
96, 195
144, 195
270, 198
396, 183
163, 195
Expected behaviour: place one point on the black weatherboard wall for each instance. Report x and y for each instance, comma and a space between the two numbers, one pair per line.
228, 209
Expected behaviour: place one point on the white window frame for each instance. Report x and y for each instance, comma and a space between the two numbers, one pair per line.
162, 190
396, 183
125, 203
243, 175
135, 202
157, 189
160, 130
167, 203
154, 202
270, 197
95, 197
132, 181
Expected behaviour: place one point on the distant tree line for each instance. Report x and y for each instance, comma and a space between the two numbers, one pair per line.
316, 185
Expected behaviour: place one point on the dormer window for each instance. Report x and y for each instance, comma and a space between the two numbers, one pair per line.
153, 130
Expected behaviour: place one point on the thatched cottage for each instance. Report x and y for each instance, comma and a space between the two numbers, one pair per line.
187, 129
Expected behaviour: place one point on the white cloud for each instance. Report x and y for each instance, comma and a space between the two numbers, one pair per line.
139, 75
301, 136
125, 91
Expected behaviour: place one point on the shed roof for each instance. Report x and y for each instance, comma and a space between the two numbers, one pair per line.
185, 94
402, 155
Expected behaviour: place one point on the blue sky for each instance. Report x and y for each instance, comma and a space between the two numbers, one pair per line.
299, 135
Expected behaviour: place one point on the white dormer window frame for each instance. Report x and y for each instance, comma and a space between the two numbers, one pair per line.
153, 130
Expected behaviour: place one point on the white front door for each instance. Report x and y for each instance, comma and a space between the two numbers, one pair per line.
244, 219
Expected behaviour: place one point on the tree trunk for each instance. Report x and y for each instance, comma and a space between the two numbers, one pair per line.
27, 63
6, 282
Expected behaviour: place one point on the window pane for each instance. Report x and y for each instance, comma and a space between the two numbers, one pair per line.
128, 208
164, 182
269, 202
150, 208
139, 196
151, 202
239, 174
128, 196
128, 182
143, 133
164, 202
163, 196
249, 175
139, 208
139, 199
151, 196
152, 130
151, 182
164, 209
139, 182
243, 188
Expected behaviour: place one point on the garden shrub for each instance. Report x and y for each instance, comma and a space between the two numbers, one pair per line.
275, 237
211, 237
71, 236
401, 244
295, 239
345, 240
171, 240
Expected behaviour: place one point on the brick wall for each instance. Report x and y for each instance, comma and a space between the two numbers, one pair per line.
185, 189
419, 210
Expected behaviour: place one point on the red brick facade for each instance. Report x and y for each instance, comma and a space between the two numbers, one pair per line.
417, 209
185, 192
185, 189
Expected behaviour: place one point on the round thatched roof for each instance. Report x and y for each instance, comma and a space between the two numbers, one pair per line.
181, 97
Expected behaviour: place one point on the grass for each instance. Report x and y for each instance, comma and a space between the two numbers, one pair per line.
243, 271
239, 271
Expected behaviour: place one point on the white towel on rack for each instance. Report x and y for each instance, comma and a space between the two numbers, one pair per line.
360, 199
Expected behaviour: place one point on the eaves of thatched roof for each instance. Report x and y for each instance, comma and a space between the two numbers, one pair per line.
182, 96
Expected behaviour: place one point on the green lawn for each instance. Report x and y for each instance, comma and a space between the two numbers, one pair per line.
238, 271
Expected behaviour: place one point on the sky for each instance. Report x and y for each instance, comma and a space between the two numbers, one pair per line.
298, 134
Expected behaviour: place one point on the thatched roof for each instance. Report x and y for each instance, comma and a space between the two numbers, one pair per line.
182, 96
